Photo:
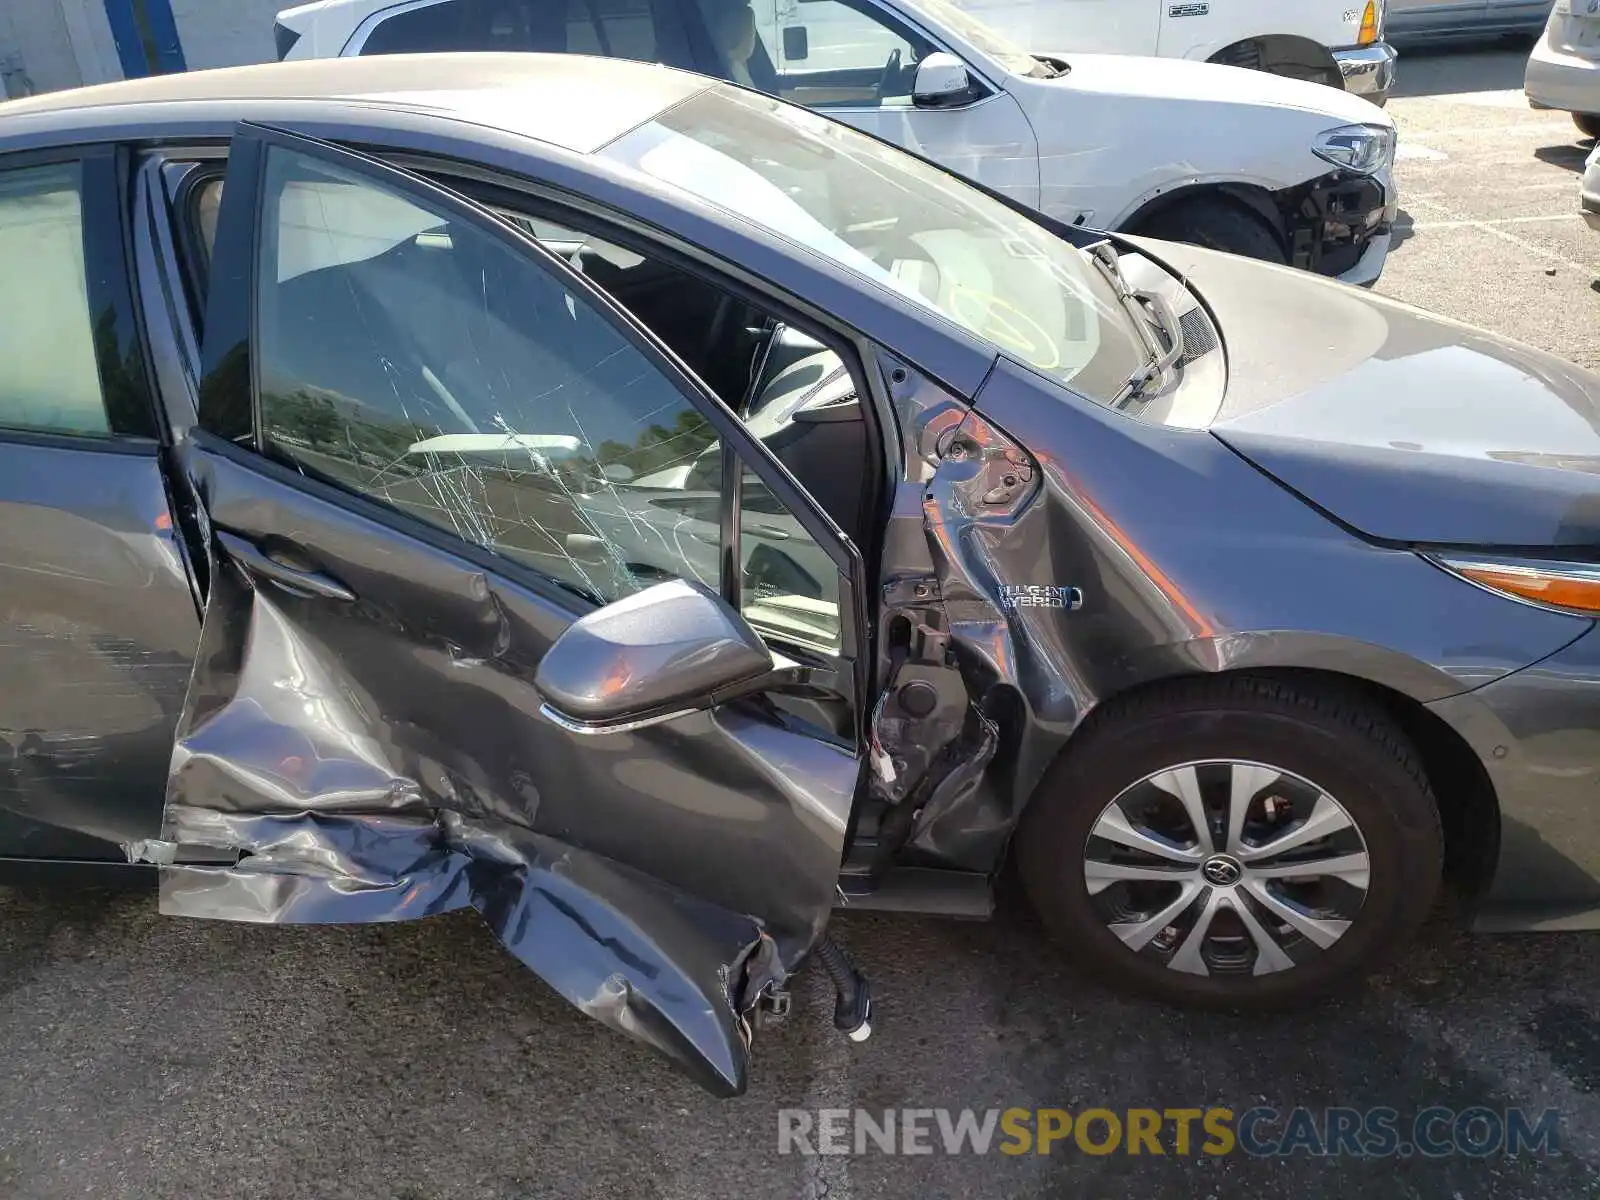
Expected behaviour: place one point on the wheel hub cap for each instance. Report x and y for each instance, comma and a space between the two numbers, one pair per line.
1226, 867
1222, 870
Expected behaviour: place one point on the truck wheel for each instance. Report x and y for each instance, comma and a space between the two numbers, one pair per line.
1234, 843
1290, 58
1588, 124
1217, 223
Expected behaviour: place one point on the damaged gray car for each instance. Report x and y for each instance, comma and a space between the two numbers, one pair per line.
657, 516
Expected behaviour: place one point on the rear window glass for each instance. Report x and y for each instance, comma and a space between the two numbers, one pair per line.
50, 380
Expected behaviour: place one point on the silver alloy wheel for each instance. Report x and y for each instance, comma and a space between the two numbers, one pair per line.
1225, 867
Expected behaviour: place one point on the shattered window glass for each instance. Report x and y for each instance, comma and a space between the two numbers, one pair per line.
433, 367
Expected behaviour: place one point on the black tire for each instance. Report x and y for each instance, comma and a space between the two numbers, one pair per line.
1336, 739
1588, 124
1217, 223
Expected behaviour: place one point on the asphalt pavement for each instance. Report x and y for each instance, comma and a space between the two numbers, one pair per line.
1489, 231
143, 1056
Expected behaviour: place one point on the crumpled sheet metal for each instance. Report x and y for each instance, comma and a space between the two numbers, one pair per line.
975, 532
341, 818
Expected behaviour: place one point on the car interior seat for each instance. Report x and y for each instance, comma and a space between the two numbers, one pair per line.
732, 27
806, 410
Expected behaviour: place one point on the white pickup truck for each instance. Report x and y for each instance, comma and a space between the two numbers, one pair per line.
1338, 42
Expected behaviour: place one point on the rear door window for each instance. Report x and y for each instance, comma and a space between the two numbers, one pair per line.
70, 357
51, 380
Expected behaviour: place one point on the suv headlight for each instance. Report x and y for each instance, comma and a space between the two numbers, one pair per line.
1359, 148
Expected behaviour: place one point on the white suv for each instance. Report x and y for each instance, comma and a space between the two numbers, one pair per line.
1237, 160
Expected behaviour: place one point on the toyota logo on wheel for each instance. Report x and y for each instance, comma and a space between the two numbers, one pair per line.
1222, 871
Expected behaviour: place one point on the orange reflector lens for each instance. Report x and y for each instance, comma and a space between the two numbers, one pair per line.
1369, 24
1554, 587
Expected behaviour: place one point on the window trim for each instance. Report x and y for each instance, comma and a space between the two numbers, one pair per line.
940, 43
228, 402
229, 362
104, 178
170, 303
890, 21
195, 174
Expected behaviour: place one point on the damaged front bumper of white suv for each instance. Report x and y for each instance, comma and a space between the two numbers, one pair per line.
1340, 224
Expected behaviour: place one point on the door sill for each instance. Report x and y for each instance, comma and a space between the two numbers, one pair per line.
963, 895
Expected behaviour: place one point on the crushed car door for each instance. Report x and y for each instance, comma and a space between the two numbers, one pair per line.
427, 449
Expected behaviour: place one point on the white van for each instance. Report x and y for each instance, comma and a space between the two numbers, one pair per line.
1236, 160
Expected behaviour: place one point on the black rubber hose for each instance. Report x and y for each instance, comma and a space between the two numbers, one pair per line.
852, 1010
837, 964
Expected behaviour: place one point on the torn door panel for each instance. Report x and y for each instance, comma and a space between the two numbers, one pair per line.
618, 946
341, 820
383, 759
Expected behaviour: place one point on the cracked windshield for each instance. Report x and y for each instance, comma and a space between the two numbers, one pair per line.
438, 370
899, 222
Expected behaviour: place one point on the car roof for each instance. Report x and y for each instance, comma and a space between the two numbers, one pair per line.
572, 101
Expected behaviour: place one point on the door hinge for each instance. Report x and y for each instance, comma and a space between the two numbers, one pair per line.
924, 700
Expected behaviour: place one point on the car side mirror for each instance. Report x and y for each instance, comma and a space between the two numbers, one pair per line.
669, 650
942, 82
796, 43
